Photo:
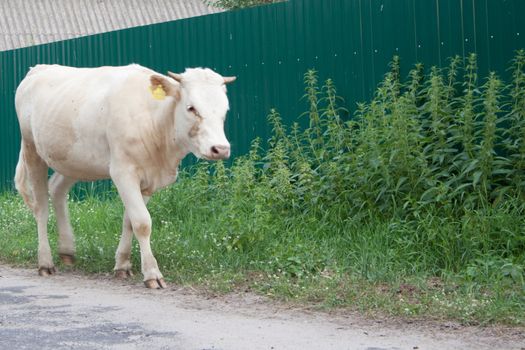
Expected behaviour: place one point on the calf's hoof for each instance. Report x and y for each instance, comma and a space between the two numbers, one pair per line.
155, 283
67, 259
46, 271
123, 274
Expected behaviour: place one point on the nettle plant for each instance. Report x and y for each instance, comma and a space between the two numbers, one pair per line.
440, 141
443, 142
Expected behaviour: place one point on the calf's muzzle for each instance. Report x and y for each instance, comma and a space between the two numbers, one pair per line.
220, 152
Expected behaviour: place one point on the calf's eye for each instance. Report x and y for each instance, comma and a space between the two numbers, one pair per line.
191, 109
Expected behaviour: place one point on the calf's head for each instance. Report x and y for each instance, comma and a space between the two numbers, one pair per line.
200, 112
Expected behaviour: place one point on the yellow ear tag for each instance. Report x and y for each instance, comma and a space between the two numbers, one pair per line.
158, 93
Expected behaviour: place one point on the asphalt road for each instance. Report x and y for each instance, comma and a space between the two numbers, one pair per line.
71, 311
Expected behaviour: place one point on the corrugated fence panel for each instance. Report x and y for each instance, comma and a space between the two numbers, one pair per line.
270, 48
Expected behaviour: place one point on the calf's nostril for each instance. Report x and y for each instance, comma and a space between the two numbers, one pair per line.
219, 151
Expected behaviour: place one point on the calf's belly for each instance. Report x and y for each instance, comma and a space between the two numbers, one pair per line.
85, 159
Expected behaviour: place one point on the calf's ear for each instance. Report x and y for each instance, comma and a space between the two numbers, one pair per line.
160, 82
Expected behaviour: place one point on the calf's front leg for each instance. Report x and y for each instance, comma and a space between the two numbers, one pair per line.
140, 220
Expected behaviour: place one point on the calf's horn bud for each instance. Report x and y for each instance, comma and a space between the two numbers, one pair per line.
228, 80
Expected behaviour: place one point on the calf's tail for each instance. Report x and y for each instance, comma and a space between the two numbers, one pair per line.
22, 184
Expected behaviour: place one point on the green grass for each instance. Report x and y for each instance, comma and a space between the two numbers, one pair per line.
414, 208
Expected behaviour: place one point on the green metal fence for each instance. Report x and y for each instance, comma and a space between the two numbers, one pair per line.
270, 47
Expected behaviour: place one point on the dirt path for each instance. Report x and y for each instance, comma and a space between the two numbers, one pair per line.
70, 311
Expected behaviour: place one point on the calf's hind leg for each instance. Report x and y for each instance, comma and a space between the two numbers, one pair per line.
123, 255
59, 186
36, 170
